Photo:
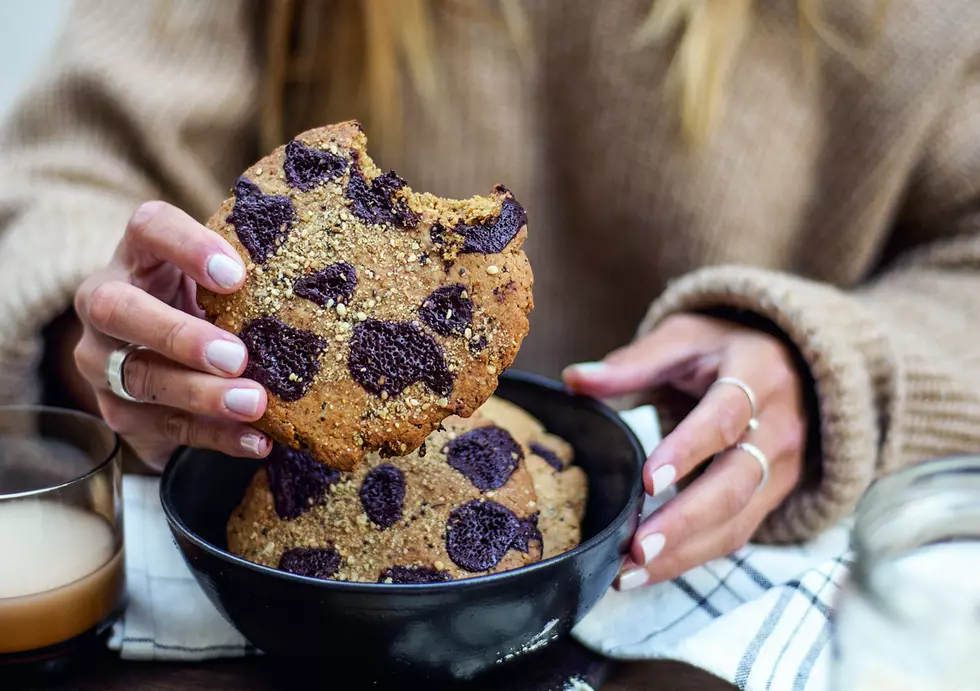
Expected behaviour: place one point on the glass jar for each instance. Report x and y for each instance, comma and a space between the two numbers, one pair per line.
908, 616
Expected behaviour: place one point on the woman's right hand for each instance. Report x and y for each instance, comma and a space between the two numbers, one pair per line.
188, 383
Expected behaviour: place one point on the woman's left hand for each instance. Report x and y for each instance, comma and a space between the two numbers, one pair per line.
720, 510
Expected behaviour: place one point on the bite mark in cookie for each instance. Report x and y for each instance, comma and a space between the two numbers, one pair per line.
486, 456
375, 201
492, 236
387, 357
261, 221
282, 358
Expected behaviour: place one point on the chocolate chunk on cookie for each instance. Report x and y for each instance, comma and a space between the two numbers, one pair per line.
486, 456
388, 357
371, 312
282, 358
328, 286
383, 495
316, 562
305, 168
493, 235
261, 221
374, 201
413, 574
481, 532
447, 310
297, 481
547, 455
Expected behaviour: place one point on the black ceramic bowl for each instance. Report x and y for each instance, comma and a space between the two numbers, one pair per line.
456, 630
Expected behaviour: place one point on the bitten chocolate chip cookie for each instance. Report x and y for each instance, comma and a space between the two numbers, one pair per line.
370, 312
472, 500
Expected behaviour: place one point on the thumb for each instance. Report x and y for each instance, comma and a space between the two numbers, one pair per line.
667, 353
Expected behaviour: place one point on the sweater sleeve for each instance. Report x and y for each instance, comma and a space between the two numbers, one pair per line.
138, 100
893, 363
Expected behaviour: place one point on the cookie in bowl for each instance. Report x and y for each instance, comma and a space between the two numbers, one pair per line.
371, 312
472, 500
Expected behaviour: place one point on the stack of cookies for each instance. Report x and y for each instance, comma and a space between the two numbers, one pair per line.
378, 320
482, 494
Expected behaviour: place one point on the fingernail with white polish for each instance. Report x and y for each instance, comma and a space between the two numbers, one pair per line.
252, 443
242, 401
225, 271
588, 368
662, 478
633, 578
226, 355
651, 546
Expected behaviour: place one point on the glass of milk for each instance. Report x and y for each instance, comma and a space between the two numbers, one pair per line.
62, 580
909, 616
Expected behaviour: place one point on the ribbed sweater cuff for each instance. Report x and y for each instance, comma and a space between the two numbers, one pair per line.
846, 355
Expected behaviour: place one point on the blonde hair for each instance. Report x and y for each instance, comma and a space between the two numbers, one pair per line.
376, 39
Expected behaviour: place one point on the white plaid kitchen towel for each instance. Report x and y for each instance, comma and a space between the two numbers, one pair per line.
759, 618
168, 617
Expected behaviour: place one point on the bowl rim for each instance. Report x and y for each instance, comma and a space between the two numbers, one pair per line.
636, 492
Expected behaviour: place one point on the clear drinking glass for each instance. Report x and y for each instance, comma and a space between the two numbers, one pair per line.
62, 581
909, 615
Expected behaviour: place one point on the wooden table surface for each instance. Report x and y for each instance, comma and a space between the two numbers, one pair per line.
111, 674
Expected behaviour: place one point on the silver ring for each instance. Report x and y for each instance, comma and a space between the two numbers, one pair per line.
114, 370
747, 390
756, 453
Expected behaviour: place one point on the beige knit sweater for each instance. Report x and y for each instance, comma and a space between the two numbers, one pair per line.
846, 215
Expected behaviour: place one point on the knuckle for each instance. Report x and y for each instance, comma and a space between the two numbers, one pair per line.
787, 441
680, 321
783, 375
735, 496
81, 298
142, 219
114, 416
198, 397
175, 337
682, 521
787, 477
735, 539
177, 427
104, 304
88, 360
728, 424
